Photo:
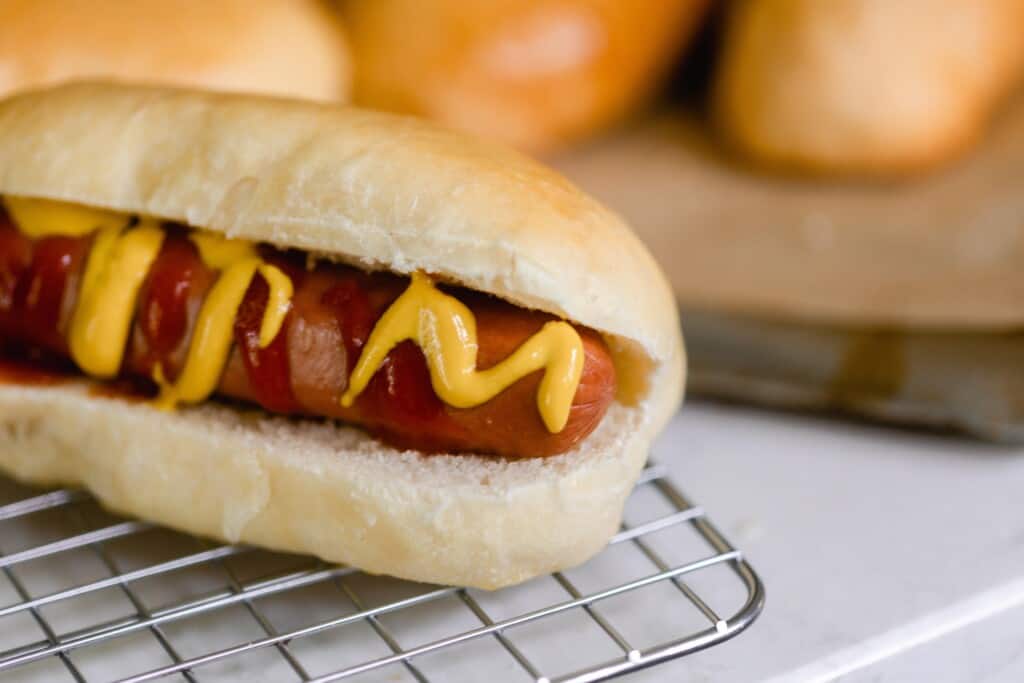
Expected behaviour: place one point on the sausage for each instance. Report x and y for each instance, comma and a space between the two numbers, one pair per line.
305, 370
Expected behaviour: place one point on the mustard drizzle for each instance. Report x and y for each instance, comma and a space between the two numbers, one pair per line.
43, 217
210, 348
445, 329
115, 270
117, 265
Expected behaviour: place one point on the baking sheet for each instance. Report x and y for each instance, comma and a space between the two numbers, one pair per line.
968, 381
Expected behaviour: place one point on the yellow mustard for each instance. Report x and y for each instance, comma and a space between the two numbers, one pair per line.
240, 261
208, 353
117, 266
118, 262
42, 218
445, 330
443, 327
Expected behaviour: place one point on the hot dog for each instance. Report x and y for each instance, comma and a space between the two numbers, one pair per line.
353, 332
306, 370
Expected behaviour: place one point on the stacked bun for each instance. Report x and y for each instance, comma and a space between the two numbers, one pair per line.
284, 47
864, 87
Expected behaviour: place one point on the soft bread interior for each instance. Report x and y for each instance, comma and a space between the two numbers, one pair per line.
325, 489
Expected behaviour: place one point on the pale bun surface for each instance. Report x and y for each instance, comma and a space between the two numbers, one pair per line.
536, 74
330, 491
864, 87
377, 190
286, 47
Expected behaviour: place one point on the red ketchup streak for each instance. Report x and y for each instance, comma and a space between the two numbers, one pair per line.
15, 259
355, 317
164, 313
400, 399
268, 369
39, 296
402, 391
33, 280
21, 359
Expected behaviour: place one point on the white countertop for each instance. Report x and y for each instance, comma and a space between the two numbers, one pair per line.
887, 555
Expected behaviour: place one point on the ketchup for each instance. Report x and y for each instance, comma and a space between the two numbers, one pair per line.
400, 395
15, 258
176, 273
401, 389
21, 361
32, 371
33, 280
268, 369
399, 403
351, 306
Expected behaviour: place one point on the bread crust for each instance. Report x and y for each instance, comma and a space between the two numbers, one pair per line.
536, 74
864, 87
285, 47
328, 490
377, 190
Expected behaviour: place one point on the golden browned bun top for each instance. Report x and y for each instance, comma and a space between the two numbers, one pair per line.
285, 47
377, 190
531, 73
864, 87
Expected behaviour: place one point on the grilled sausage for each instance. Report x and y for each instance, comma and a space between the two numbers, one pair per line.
306, 369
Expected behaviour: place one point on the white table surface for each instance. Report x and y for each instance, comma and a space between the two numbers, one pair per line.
887, 555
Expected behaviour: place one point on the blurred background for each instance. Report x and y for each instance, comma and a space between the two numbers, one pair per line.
828, 185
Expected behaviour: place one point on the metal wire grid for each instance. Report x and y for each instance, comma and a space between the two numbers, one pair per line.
87, 563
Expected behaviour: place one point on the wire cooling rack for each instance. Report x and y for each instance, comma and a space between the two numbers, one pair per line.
86, 596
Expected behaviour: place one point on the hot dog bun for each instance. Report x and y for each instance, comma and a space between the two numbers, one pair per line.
864, 87
285, 47
535, 74
378, 191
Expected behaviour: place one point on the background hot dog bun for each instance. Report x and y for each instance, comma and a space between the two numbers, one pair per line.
533, 73
382, 192
864, 86
286, 47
